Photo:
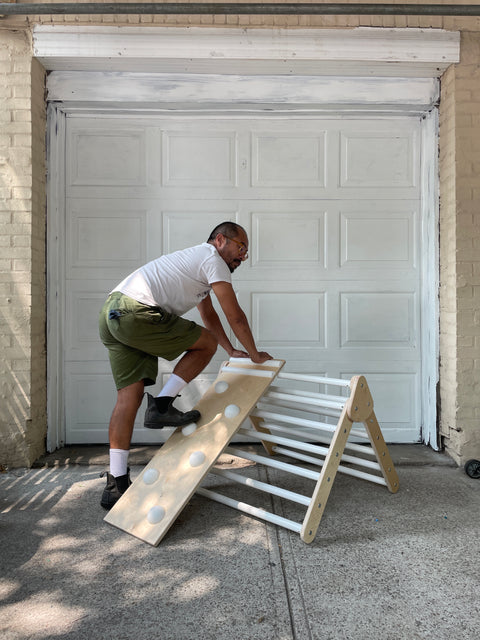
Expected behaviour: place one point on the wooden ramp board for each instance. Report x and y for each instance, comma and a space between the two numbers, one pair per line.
161, 491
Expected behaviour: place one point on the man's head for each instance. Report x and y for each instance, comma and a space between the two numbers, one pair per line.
231, 242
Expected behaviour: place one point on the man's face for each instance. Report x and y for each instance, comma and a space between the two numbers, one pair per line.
234, 250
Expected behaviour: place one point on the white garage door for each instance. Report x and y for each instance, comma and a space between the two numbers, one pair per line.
332, 209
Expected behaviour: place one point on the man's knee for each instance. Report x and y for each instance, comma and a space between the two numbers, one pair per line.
131, 395
211, 342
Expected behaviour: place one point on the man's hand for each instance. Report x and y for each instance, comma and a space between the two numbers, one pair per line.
236, 353
261, 356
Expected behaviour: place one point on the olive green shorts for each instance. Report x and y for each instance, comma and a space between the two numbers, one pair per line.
136, 335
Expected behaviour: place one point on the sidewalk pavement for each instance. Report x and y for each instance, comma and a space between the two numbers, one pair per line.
383, 566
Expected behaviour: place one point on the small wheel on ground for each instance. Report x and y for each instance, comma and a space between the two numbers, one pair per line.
472, 468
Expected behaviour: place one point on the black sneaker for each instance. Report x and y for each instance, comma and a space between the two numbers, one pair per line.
115, 488
168, 416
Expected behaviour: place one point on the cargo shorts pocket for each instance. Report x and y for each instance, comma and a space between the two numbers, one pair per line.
152, 315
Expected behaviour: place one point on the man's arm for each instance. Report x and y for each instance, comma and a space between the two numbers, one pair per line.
236, 319
213, 323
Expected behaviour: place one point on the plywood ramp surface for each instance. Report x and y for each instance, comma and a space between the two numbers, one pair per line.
161, 491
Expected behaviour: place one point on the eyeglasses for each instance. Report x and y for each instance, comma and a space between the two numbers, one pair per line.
242, 247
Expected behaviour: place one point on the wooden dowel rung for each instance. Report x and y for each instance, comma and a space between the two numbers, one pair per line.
309, 448
266, 403
275, 464
346, 470
262, 410
315, 402
338, 382
296, 444
253, 511
314, 437
309, 394
302, 422
262, 486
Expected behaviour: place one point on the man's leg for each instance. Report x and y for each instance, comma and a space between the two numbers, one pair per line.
197, 357
120, 434
123, 417
160, 411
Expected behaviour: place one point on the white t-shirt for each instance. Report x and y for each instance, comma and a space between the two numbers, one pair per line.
178, 281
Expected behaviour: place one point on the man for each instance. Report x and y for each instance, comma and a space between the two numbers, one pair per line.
141, 321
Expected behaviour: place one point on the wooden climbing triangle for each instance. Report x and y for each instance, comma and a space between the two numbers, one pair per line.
311, 428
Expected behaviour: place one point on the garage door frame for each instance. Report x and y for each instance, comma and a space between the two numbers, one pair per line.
59, 109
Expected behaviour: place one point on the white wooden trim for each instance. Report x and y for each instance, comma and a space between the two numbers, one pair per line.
149, 90
430, 279
55, 277
357, 52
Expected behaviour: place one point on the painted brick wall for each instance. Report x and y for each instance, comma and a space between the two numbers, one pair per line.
436, 22
448, 268
22, 263
38, 392
462, 432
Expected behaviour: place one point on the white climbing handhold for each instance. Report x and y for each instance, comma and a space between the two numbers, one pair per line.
155, 515
231, 411
150, 476
189, 428
196, 458
221, 386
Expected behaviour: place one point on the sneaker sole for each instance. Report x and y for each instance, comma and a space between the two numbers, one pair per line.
182, 423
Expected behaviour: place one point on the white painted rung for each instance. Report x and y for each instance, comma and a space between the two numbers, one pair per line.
304, 446
262, 486
268, 403
313, 437
315, 402
267, 363
275, 464
296, 444
293, 420
346, 470
253, 511
312, 378
262, 411
310, 394
260, 373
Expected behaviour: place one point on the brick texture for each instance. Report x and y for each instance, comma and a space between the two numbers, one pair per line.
461, 431
22, 263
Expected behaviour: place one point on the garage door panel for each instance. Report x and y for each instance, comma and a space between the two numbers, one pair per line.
82, 342
289, 317
378, 320
194, 159
289, 159
286, 240
189, 223
106, 234
377, 239
106, 157
384, 156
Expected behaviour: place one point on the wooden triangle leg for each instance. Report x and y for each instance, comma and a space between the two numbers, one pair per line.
325, 481
383, 455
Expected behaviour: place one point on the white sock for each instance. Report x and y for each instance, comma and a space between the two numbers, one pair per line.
173, 387
118, 462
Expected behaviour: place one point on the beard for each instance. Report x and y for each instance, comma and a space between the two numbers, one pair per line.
234, 264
